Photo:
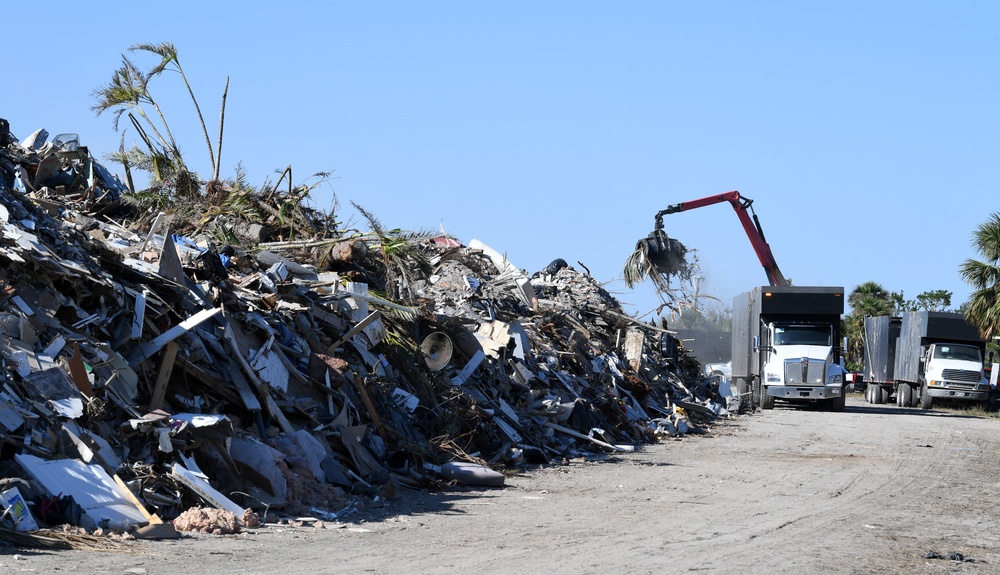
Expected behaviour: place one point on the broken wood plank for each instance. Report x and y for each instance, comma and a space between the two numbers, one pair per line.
166, 368
232, 334
598, 442
78, 371
372, 412
354, 331
151, 517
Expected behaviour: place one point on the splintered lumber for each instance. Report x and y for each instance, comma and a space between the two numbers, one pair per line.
232, 334
579, 435
166, 368
354, 330
151, 517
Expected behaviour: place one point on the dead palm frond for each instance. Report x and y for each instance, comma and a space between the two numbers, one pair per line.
168, 54
56, 539
402, 251
128, 90
658, 258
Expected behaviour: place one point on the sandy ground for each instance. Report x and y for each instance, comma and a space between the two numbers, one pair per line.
871, 490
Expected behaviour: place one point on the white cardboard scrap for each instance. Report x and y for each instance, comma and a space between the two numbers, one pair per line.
14, 503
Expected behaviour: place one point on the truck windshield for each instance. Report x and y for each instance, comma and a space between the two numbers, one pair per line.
961, 352
803, 334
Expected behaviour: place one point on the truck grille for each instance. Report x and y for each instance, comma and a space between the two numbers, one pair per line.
804, 372
966, 375
962, 386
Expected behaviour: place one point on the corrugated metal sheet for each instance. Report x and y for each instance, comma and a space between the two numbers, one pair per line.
881, 333
91, 487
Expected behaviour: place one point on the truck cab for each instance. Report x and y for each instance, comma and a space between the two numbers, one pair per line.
953, 371
801, 363
786, 345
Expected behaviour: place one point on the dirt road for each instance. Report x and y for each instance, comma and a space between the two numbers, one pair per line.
870, 490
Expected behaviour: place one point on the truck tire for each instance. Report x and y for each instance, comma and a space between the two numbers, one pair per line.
870, 394
839, 403
926, 401
766, 400
904, 395
755, 393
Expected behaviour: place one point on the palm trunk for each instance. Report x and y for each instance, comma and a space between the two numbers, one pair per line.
204, 129
222, 120
173, 143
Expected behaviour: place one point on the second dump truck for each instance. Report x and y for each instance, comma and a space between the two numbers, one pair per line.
787, 345
923, 356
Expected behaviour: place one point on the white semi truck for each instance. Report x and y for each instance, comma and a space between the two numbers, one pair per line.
923, 356
787, 345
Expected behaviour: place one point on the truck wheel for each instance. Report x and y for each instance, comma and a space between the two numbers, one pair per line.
878, 395
868, 394
839, 403
926, 401
755, 392
904, 395
766, 400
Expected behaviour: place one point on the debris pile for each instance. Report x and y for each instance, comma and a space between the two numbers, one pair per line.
241, 352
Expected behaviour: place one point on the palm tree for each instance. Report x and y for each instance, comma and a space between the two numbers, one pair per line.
868, 298
168, 53
983, 310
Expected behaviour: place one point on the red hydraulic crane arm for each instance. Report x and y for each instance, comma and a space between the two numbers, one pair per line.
752, 227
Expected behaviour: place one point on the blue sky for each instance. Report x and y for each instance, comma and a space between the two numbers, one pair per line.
865, 132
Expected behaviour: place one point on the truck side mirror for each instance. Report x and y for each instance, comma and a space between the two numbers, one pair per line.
756, 344
844, 343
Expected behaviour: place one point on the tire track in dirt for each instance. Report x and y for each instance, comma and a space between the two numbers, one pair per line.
784, 491
809, 488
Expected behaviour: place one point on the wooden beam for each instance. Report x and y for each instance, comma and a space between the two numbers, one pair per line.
233, 334
166, 368
379, 426
578, 435
354, 331
151, 517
